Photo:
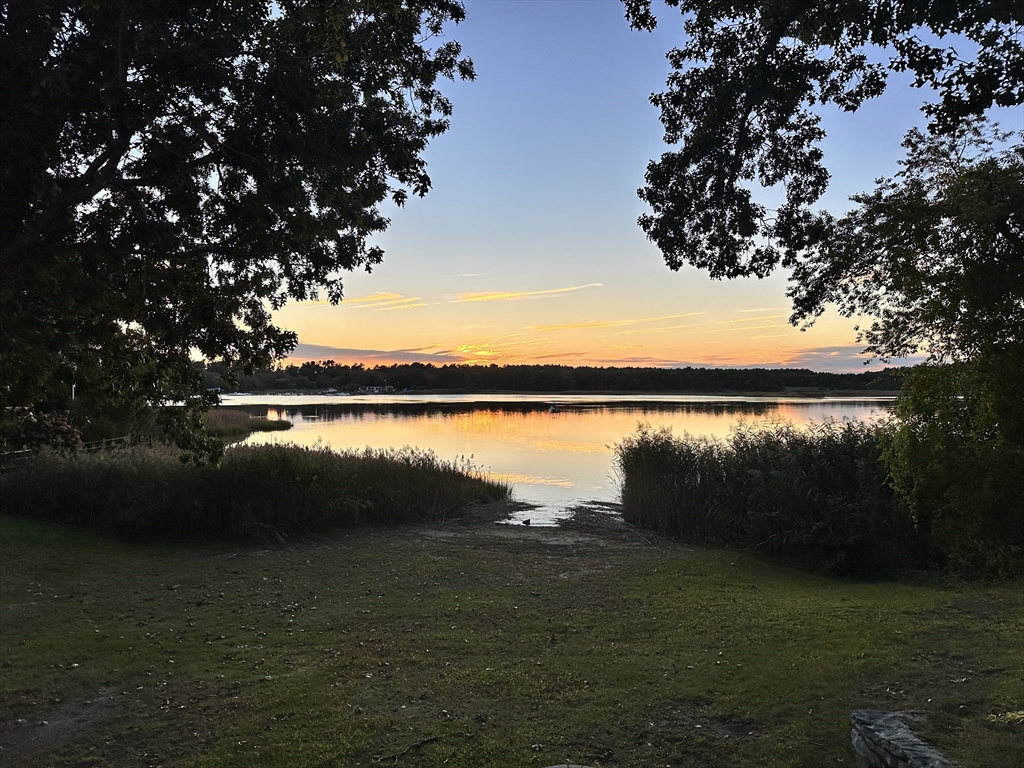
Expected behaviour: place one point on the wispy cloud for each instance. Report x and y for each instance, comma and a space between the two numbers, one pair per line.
404, 306
751, 319
515, 295
383, 300
632, 346
842, 359
499, 349
304, 351
437, 348
646, 361
375, 298
764, 309
749, 328
609, 323
557, 355
737, 329
658, 329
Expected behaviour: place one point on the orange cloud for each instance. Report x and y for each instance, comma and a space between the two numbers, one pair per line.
384, 300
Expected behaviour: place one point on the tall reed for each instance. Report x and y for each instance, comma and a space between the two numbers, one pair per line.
818, 494
229, 423
268, 490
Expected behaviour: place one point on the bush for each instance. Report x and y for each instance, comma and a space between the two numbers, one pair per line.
957, 458
817, 495
255, 491
31, 430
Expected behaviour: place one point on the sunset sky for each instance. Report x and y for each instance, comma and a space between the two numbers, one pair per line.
527, 249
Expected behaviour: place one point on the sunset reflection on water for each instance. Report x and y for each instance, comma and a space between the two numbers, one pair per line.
555, 451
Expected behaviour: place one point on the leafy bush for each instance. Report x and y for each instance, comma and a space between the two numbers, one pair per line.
957, 459
818, 495
255, 491
32, 430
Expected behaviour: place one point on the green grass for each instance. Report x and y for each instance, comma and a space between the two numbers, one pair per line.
267, 491
466, 651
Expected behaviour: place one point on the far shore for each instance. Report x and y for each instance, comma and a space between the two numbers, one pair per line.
788, 392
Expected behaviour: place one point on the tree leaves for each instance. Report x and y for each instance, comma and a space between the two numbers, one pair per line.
739, 110
174, 170
935, 255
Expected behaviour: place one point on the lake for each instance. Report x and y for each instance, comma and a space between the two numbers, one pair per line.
556, 451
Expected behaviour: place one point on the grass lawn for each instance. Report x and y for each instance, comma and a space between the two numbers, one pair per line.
472, 644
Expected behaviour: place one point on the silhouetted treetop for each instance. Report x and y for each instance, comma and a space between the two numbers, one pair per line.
739, 108
172, 171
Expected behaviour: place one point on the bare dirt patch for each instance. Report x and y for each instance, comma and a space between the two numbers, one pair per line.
594, 527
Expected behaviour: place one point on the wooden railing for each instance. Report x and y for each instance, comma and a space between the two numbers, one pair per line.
95, 446
9, 458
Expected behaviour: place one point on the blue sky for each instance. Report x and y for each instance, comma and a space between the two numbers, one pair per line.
527, 250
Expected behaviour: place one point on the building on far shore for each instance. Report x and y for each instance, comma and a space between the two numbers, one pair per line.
375, 390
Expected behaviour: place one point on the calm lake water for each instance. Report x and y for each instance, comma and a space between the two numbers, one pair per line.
555, 450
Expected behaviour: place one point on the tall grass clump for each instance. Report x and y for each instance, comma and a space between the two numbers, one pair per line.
670, 484
818, 495
255, 491
233, 423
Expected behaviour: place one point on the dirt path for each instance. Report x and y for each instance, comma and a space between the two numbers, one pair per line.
595, 526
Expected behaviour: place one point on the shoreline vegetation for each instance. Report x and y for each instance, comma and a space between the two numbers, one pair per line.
232, 424
816, 496
825, 498
794, 392
266, 492
321, 376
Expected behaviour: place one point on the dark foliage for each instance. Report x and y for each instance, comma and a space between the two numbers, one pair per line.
934, 256
740, 109
817, 497
171, 171
257, 491
25, 430
957, 459
322, 375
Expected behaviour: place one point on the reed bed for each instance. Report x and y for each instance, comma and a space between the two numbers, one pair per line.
267, 491
818, 495
228, 423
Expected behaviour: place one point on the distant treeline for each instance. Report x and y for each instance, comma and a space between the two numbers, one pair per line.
320, 376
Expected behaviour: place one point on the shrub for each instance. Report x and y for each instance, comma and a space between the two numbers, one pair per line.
957, 458
32, 430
